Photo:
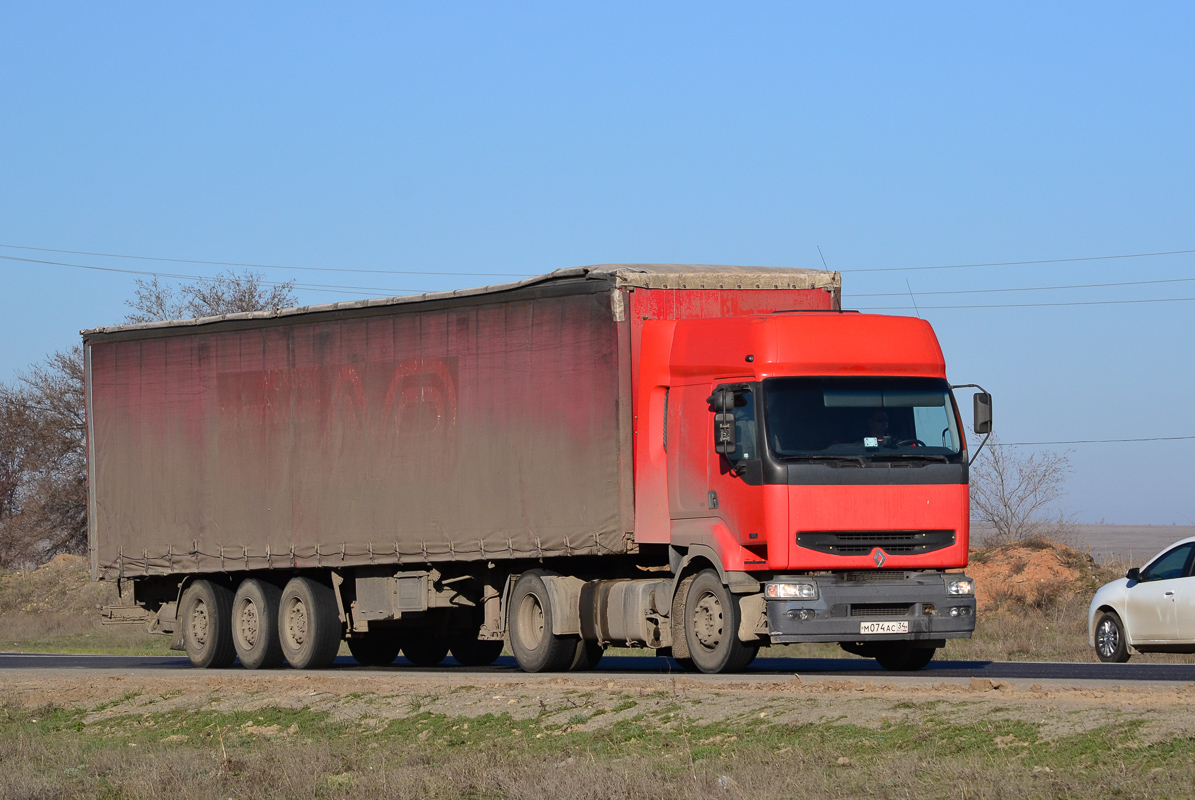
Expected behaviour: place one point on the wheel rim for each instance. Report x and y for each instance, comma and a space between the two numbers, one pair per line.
199, 624
296, 622
1107, 638
708, 621
248, 624
531, 622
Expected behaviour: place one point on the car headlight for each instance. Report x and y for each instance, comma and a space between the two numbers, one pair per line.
791, 591
963, 587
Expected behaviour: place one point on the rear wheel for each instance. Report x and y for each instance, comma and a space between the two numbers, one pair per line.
469, 651
712, 627
308, 624
424, 648
588, 654
207, 625
536, 646
255, 624
902, 658
1111, 644
374, 649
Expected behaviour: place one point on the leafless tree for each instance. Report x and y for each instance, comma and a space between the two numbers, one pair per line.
226, 293
1014, 493
43, 488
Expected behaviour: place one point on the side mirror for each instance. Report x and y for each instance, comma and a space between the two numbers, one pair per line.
725, 433
983, 413
1133, 574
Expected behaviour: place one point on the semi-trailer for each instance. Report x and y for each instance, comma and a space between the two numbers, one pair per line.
700, 460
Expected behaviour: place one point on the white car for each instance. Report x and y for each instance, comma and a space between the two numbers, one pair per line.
1151, 609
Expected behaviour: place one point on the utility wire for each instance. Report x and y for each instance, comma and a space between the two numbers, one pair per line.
1024, 263
323, 287
263, 266
1100, 441
1035, 288
1037, 305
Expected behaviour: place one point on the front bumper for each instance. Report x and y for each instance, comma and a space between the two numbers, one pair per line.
846, 601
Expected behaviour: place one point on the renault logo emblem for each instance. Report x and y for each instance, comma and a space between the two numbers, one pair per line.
878, 557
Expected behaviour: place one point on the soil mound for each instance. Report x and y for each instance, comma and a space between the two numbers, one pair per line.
1034, 573
61, 585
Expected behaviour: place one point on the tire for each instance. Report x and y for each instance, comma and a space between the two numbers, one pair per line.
712, 627
536, 646
375, 649
308, 624
685, 664
207, 629
254, 623
902, 658
588, 654
1111, 643
424, 648
469, 651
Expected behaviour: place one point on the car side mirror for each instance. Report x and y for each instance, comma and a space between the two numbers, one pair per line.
983, 413
1133, 574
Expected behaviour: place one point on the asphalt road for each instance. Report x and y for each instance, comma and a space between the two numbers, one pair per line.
761, 668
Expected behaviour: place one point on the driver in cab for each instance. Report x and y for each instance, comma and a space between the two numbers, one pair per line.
877, 429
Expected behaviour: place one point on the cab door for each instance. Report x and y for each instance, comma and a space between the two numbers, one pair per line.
1151, 606
736, 480
1184, 605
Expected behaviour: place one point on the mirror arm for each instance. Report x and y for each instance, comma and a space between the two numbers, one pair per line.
954, 386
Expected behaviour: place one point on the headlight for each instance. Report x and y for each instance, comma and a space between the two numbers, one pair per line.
963, 587
791, 591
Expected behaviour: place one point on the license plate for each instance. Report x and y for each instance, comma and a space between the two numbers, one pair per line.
884, 627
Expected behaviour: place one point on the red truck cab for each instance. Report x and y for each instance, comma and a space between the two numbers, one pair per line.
821, 454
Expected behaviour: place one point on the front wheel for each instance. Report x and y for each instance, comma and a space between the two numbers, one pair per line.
901, 658
712, 627
1111, 644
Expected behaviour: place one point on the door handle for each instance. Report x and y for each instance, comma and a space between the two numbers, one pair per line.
1170, 594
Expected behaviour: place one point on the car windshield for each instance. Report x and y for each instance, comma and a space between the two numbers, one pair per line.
876, 418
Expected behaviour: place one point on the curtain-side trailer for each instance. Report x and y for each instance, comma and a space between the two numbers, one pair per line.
696, 459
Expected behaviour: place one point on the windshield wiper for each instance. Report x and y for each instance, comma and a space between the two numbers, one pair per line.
835, 460
906, 457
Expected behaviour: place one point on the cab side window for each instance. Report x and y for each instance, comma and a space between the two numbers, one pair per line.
1168, 566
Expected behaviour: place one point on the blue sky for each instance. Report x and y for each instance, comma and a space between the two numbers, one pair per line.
517, 139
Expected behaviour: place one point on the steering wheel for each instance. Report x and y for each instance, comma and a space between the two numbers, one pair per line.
911, 443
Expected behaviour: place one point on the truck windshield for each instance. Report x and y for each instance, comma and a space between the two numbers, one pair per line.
876, 418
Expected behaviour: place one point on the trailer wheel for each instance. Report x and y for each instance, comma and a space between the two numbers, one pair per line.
589, 653
374, 649
712, 627
255, 624
207, 625
424, 648
469, 651
308, 624
536, 646
903, 658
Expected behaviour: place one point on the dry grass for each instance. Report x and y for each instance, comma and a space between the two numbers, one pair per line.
927, 753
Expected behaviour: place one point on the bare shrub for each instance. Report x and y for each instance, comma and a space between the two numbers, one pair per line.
226, 293
1013, 493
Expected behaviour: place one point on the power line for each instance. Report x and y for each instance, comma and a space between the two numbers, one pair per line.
263, 266
1036, 305
1099, 441
1034, 288
323, 287
1025, 263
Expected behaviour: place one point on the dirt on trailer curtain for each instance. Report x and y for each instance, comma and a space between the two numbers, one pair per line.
491, 430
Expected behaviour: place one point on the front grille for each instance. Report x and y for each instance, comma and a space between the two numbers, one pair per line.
877, 576
860, 543
880, 610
